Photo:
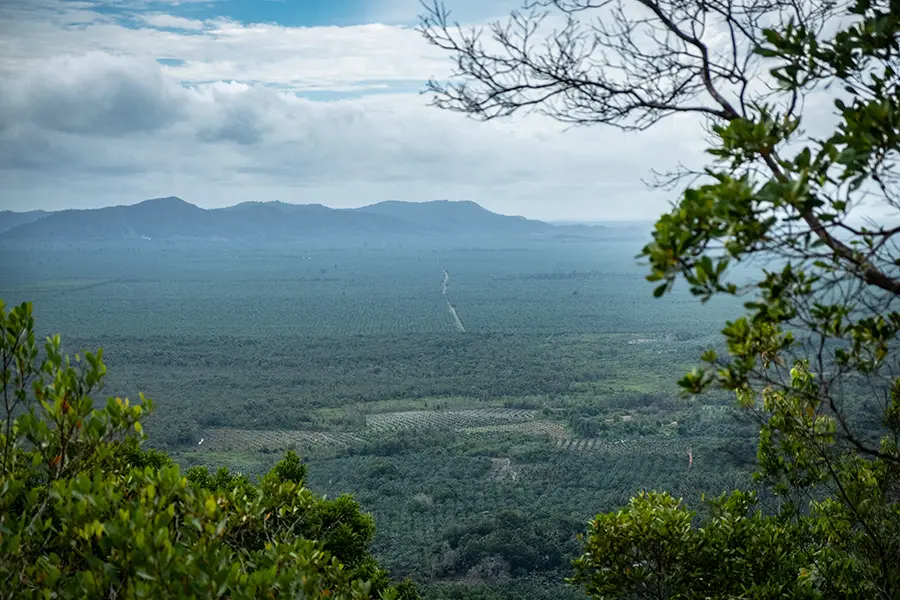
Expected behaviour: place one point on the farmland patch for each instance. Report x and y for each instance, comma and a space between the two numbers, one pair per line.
448, 419
228, 439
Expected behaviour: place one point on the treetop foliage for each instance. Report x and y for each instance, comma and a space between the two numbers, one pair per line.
85, 512
814, 358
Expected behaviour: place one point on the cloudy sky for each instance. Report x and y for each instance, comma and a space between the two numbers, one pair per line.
112, 102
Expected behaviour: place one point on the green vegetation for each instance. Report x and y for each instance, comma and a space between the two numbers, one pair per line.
257, 339
555, 407
814, 358
482, 453
84, 512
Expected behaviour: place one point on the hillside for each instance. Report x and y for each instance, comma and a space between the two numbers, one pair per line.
10, 219
162, 217
444, 215
173, 218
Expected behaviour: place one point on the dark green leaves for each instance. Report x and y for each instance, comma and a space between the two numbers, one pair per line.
651, 549
815, 355
84, 512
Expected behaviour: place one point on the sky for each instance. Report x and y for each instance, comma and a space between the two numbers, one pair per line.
303, 101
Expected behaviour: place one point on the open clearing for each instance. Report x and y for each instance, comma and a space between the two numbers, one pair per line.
473, 421
626, 447
228, 439
551, 429
447, 419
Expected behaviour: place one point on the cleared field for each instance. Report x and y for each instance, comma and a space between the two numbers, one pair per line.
448, 419
551, 429
626, 447
229, 439
226, 439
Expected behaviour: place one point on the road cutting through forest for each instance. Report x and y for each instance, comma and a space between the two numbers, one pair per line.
450, 306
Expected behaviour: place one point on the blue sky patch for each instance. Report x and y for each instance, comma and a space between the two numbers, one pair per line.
288, 13
171, 62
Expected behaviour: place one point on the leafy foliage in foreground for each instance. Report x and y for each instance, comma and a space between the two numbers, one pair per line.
822, 323
843, 543
650, 549
84, 512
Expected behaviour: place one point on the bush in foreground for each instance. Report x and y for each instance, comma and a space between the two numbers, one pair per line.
85, 513
815, 356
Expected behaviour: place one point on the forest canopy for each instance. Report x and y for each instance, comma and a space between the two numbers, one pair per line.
814, 357
86, 512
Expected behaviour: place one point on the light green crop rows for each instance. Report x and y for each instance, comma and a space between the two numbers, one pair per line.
226, 439
448, 419
630, 446
533, 427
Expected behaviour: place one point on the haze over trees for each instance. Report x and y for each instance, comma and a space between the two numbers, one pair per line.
482, 453
814, 358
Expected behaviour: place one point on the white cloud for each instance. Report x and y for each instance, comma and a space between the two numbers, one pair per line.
222, 49
164, 21
88, 117
220, 143
95, 95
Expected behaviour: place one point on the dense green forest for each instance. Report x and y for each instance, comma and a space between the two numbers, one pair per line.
481, 454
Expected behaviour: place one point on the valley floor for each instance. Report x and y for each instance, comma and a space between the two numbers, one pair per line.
482, 451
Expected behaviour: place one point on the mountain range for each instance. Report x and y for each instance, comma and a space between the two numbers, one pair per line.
173, 218
10, 219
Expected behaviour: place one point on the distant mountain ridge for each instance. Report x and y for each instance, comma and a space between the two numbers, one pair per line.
173, 218
10, 219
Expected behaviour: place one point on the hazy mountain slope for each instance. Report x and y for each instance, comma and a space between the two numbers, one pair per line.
10, 219
161, 217
169, 218
444, 215
279, 219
